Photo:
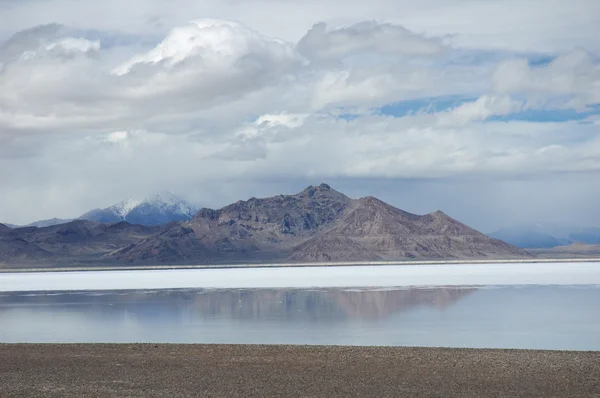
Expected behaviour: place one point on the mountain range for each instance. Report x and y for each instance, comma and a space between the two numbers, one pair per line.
158, 209
317, 224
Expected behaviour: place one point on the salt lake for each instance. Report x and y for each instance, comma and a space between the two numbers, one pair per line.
538, 306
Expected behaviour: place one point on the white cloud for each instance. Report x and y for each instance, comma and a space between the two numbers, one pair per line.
321, 44
117, 137
281, 119
543, 25
74, 44
574, 74
218, 43
481, 109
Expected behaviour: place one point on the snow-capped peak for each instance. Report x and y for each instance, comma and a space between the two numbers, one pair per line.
160, 208
168, 202
123, 208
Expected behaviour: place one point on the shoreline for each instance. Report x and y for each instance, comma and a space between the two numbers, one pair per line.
11, 269
161, 370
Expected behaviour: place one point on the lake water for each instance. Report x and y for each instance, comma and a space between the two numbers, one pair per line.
541, 317
537, 306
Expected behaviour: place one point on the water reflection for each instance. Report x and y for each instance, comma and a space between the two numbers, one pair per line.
550, 317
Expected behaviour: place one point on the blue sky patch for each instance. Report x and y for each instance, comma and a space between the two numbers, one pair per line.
540, 60
424, 105
548, 115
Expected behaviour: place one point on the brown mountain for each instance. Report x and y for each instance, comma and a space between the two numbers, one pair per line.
317, 224
374, 230
252, 230
71, 242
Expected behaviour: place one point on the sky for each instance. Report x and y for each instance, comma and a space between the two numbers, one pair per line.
487, 110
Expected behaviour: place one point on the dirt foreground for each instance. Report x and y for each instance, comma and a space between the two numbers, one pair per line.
148, 370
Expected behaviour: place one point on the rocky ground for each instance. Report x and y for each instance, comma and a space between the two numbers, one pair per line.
253, 370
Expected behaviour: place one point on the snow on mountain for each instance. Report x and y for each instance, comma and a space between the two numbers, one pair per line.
160, 208
125, 207
157, 209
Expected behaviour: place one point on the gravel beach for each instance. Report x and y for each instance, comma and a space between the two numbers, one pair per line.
149, 370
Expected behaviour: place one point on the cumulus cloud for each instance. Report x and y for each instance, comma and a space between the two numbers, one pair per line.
217, 43
193, 69
543, 25
321, 44
573, 77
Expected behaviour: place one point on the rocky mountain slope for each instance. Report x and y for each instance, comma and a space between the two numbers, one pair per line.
317, 224
374, 230
76, 241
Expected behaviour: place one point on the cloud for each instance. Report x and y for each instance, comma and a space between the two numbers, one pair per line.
29, 40
195, 68
481, 109
217, 170
543, 25
218, 110
321, 44
74, 45
572, 79
217, 44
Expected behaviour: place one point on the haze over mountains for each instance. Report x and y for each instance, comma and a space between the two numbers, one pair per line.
157, 209
317, 224
547, 235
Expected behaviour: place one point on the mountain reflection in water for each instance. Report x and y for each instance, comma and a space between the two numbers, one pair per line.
249, 304
319, 305
536, 317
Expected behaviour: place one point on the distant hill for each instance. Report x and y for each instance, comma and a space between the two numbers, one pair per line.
46, 223
78, 240
317, 224
158, 209
574, 250
547, 235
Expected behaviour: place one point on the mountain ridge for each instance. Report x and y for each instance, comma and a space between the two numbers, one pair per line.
316, 224
157, 209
